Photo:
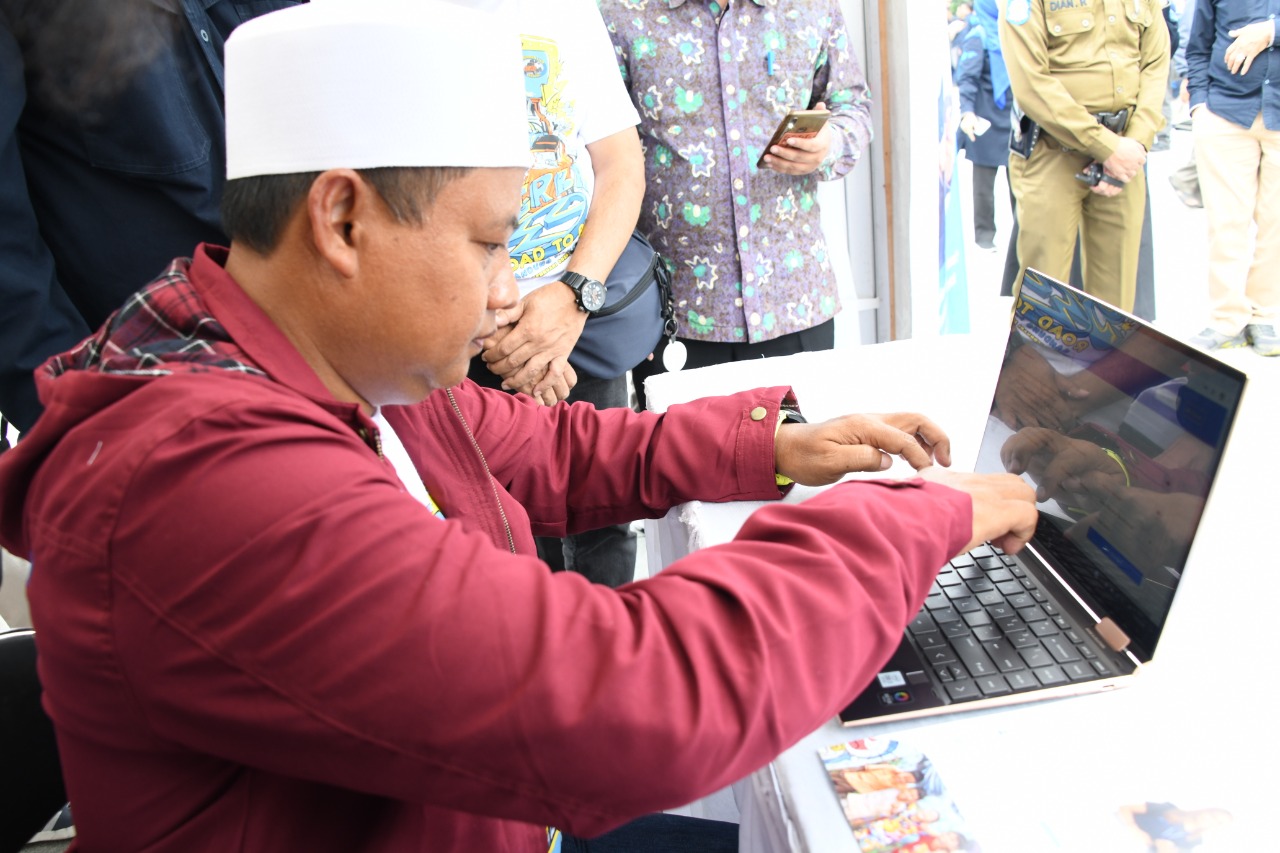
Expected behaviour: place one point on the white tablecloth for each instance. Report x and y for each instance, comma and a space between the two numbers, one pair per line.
1196, 729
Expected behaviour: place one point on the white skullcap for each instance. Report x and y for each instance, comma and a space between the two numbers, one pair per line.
361, 84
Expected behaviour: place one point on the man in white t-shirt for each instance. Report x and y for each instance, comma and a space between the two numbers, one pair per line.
581, 199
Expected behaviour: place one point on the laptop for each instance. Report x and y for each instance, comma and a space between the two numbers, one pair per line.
1121, 429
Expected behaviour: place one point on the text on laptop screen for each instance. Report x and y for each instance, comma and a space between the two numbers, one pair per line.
1120, 429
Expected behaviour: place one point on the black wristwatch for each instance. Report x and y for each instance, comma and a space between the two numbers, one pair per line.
589, 292
790, 416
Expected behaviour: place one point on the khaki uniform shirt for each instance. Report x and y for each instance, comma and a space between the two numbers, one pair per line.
1068, 59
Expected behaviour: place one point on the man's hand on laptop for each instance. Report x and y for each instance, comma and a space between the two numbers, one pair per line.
821, 453
1004, 508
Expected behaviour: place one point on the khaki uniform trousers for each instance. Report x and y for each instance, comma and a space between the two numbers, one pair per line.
1054, 207
1239, 169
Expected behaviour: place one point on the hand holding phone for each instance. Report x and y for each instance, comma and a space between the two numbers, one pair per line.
800, 124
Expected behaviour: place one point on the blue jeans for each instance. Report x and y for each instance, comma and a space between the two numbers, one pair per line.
661, 833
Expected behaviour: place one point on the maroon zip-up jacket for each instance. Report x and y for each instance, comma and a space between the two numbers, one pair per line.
251, 638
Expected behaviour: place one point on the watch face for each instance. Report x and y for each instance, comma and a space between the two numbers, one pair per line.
592, 294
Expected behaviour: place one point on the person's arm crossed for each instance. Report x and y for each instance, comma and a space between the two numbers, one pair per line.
532, 347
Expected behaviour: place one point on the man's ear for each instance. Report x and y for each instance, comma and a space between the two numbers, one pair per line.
335, 202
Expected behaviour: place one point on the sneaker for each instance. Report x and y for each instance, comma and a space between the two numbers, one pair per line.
59, 827
988, 246
1263, 339
1211, 340
1191, 198
1162, 143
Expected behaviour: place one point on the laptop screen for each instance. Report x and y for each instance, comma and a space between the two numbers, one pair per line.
1120, 429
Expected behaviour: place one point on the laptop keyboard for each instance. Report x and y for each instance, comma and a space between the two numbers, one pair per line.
989, 629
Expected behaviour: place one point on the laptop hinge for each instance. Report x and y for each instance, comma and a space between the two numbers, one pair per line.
1111, 634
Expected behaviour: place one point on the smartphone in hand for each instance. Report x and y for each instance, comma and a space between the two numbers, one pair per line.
802, 124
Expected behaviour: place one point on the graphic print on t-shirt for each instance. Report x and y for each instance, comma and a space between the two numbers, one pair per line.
555, 197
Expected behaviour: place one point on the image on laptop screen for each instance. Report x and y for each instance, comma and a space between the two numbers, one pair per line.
1120, 429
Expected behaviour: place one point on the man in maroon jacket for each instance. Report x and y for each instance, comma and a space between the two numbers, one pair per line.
284, 576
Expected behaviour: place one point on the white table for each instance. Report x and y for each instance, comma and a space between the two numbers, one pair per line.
1196, 730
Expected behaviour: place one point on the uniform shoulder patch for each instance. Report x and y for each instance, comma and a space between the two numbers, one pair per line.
1017, 12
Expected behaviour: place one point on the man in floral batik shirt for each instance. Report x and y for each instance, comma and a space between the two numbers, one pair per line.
711, 81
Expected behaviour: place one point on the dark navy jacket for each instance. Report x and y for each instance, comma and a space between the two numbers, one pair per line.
95, 203
1237, 98
973, 78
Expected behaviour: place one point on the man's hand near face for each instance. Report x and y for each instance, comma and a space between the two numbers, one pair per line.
530, 350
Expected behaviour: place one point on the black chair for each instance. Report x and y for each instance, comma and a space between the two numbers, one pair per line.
31, 788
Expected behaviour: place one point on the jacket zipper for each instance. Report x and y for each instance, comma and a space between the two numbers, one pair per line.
506, 525
375, 444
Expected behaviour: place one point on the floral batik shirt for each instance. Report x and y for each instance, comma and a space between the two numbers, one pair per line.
711, 81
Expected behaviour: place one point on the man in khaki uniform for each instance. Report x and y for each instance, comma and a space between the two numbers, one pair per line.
1091, 74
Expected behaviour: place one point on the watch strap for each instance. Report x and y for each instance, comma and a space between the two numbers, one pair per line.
787, 416
574, 281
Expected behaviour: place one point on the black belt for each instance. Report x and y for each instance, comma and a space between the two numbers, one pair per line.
1026, 132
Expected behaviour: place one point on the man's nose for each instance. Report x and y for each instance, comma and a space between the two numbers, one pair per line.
504, 293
